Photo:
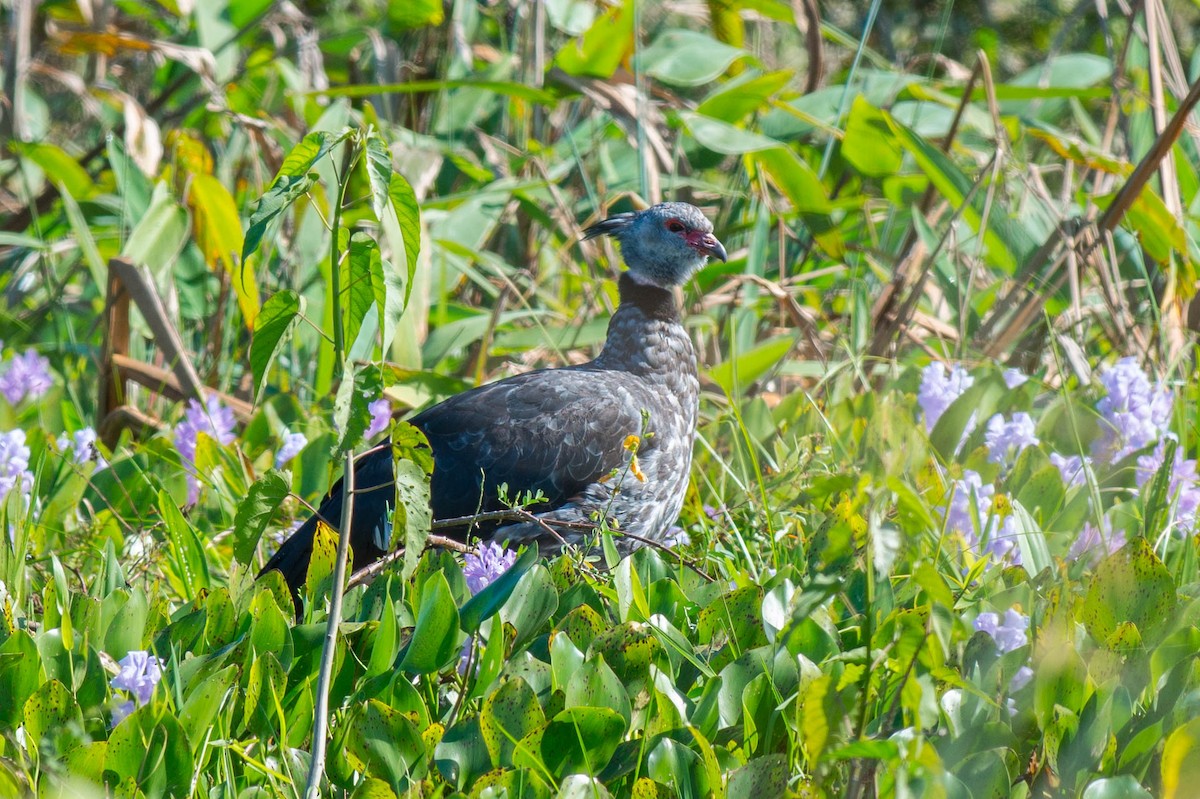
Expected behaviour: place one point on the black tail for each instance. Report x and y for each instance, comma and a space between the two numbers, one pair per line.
370, 524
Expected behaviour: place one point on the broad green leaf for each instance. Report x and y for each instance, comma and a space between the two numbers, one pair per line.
408, 216
151, 748
736, 374
362, 271
596, 685
384, 743
531, 605
290, 183
581, 740
742, 96
379, 172
795, 178
58, 166
255, 512
1181, 761
50, 707
510, 713
761, 777
722, 137
686, 58
1125, 786
160, 234
272, 329
602, 48
185, 547
204, 701
412, 496
869, 144
435, 638
1131, 588
405, 15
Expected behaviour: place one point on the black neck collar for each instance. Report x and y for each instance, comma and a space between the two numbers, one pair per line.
655, 302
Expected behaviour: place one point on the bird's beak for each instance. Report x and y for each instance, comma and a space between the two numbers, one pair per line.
709, 245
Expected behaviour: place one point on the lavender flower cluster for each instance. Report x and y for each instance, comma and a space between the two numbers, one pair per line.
24, 376
1135, 413
1009, 635
214, 420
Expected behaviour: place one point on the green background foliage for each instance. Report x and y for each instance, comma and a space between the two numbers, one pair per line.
336, 200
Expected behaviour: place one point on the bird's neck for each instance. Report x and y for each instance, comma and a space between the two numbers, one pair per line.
653, 301
645, 335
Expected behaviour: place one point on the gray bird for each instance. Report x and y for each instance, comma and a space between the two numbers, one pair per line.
562, 432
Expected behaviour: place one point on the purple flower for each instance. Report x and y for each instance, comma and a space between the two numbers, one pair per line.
81, 448
1073, 468
1020, 679
1184, 488
1136, 412
969, 514
485, 564
14, 465
381, 416
676, 537
121, 711
1094, 542
214, 420
27, 375
140, 673
1014, 378
290, 448
1005, 440
938, 391
1003, 543
1009, 634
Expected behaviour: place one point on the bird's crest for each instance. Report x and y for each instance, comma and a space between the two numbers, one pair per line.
609, 227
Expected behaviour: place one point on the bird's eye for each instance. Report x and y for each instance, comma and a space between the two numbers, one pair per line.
675, 226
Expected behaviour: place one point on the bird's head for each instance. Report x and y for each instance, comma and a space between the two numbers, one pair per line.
663, 245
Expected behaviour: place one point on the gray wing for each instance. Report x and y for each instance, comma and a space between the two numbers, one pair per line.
554, 431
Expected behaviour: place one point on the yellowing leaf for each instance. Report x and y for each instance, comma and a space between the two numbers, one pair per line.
218, 230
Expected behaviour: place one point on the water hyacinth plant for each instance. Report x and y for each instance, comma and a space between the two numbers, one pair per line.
939, 537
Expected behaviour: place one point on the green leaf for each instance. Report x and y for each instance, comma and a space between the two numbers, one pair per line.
531, 605
185, 547
434, 640
405, 15
255, 512
384, 743
686, 58
594, 684
379, 172
204, 700
795, 178
412, 496
160, 234
273, 327
1130, 589
1181, 761
290, 183
61, 168
722, 137
151, 748
362, 272
602, 48
869, 144
510, 713
736, 374
1125, 786
385, 644
408, 216
481, 607
581, 740
50, 707
761, 777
